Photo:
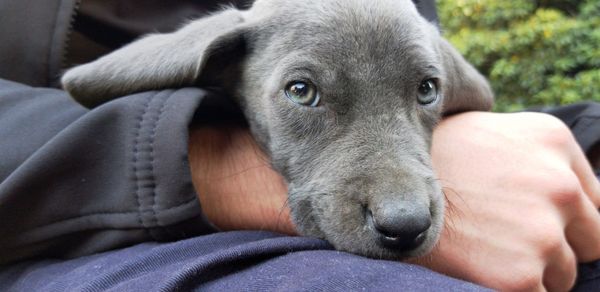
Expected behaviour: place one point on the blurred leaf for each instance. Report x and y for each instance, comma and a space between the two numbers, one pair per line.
534, 53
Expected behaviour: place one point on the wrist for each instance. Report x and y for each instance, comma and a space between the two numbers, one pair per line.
235, 184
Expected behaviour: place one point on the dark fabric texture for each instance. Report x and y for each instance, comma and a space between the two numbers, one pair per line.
428, 9
588, 277
227, 261
33, 36
101, 26
74, 181
114, 23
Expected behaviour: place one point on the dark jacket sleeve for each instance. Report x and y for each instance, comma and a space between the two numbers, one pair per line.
33, 39
75, 181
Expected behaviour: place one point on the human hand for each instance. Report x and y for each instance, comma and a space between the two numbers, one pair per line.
523, 202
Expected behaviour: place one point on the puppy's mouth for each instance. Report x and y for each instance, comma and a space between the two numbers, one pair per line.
356, 228
396, 221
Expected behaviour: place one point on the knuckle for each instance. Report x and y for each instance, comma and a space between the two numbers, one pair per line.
548, 238
562, 274
565, 190
559, 184
571, 277
529, 280
555, 133
551, 246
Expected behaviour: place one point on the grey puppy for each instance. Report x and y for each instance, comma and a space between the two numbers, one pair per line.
343, 95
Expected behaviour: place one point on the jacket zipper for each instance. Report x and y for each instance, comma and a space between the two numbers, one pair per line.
65, 54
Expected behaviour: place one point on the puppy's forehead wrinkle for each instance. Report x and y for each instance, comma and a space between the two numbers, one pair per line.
362, 58
372, 61
365, 30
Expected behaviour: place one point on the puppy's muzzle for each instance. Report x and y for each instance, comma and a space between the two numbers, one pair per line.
398, 225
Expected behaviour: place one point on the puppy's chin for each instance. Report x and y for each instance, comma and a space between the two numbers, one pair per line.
348, 231
369, 245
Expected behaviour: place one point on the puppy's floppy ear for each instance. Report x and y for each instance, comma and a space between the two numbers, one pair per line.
465, 88
159, 60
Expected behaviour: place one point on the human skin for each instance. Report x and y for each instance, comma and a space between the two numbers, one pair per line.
522, 199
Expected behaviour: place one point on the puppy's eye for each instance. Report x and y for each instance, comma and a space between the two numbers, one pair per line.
302, 93
427, 92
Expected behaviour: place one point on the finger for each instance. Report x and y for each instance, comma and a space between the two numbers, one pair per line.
587, 178
583, 232
561, 272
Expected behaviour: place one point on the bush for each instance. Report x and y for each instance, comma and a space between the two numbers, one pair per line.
534, 53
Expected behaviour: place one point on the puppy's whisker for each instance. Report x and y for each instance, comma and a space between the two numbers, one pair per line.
282, 209
234, 174
260, 154
452, 212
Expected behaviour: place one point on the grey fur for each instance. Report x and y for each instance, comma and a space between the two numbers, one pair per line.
366, 146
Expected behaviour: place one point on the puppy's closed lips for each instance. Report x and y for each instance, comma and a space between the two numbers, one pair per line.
342, 94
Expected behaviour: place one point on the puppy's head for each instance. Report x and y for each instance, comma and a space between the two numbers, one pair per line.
343, 96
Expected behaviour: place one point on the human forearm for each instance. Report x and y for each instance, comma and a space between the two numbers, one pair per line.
501, 213
234, 181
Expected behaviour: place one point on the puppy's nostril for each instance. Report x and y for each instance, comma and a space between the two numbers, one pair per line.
401, 231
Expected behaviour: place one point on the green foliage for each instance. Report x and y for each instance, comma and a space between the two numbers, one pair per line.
544, 52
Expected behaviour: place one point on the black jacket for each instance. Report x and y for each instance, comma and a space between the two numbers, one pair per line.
38, 42
75, 181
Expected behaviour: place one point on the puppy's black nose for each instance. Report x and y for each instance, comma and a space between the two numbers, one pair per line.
399, 226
